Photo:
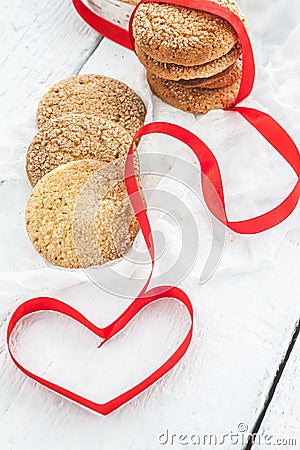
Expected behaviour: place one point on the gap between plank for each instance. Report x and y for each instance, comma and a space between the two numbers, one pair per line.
89, 55
273, 387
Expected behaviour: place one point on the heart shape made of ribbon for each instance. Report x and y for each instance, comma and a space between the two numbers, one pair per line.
50, 304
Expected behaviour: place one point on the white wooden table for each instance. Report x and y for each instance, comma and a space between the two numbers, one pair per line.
241, 372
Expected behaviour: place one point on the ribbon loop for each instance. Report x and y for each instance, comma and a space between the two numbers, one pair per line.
212, 184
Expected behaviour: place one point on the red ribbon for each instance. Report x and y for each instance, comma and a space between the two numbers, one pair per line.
212, 187
50, 304
103, 26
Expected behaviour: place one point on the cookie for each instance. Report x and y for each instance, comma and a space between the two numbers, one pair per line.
115, 214
184, 36
94, 95
194, 100
223, 79
71, 213
176, 72
130, 2
74, 137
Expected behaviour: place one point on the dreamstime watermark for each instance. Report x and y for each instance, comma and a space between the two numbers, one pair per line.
240, 437
103, 218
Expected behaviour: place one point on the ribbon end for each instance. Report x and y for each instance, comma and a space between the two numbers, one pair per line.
102, 342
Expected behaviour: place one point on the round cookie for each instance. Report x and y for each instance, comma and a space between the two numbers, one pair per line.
64, 220
94, 95
74, 137
223, 79
194, 100
177, 72
185, 36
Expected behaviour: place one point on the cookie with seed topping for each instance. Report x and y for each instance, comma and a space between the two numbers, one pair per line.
176, 72
95, 95
223, 79
184, 36
74, 137
79, 215
195, 100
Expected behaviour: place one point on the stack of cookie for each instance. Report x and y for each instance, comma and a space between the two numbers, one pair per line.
193, 58
79, 214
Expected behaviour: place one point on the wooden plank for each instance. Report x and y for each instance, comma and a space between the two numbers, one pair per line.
41, 43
